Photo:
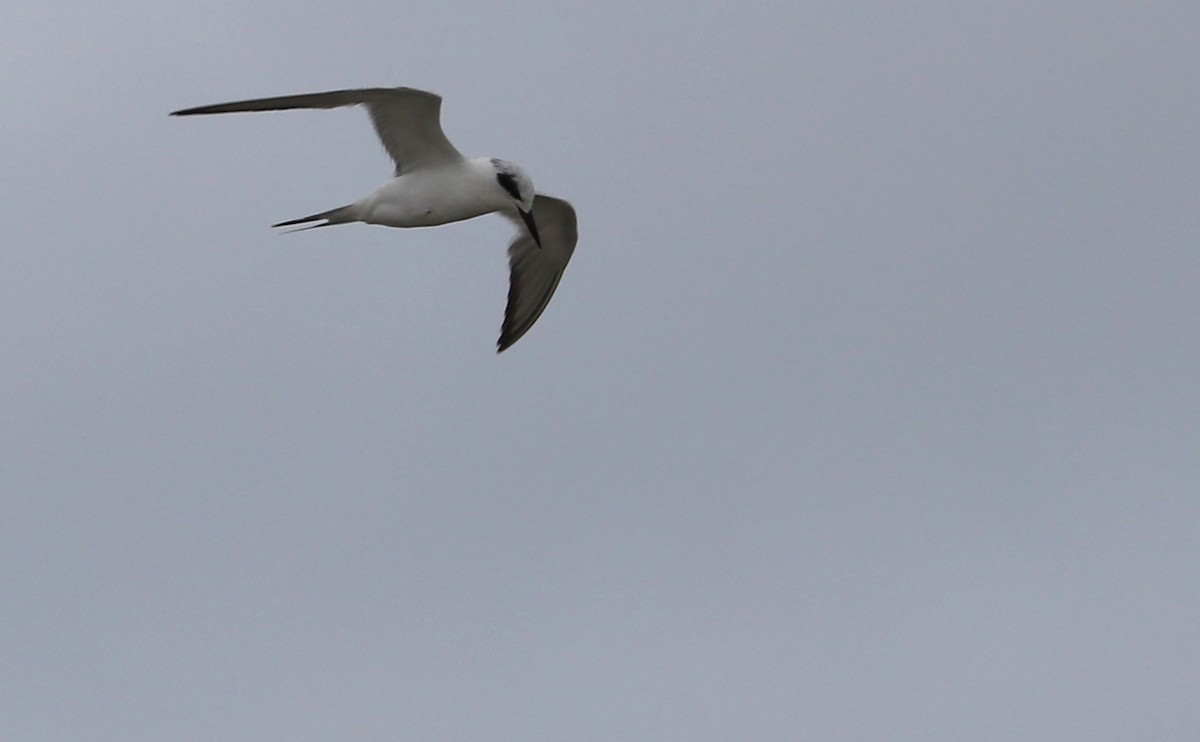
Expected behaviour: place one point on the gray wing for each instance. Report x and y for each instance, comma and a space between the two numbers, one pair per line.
407, 121
534, 272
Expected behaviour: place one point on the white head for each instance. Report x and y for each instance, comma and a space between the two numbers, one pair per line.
519, 187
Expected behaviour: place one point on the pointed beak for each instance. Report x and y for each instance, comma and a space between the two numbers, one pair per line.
528, 217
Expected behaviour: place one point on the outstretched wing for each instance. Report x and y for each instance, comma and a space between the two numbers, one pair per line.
408, 121
534, 272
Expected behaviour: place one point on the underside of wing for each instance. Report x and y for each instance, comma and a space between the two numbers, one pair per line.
408, 121
534, 272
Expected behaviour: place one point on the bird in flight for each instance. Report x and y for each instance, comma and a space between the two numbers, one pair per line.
434, 184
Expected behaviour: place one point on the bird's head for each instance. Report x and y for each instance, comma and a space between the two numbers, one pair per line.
519, 187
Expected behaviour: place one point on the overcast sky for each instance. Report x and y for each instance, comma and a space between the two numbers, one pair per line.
869, 407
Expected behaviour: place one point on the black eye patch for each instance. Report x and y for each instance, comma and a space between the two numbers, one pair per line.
509, 183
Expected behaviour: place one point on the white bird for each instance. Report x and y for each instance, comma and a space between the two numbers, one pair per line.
434, 184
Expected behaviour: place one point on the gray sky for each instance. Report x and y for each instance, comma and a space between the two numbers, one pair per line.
869, 407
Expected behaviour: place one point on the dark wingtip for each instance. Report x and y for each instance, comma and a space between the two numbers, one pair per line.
198, 110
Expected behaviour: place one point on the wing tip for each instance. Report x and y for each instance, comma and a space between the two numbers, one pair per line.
506, 340
196, 111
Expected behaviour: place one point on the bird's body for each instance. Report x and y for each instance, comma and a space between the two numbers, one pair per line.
434, 184
427, 198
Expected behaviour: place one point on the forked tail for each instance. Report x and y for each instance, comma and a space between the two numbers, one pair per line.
340, 215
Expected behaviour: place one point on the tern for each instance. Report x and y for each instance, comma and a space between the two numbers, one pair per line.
434, 184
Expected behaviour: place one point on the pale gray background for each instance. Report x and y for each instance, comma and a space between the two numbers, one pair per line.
868, 408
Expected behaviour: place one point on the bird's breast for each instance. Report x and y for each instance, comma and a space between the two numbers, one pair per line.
426, 200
